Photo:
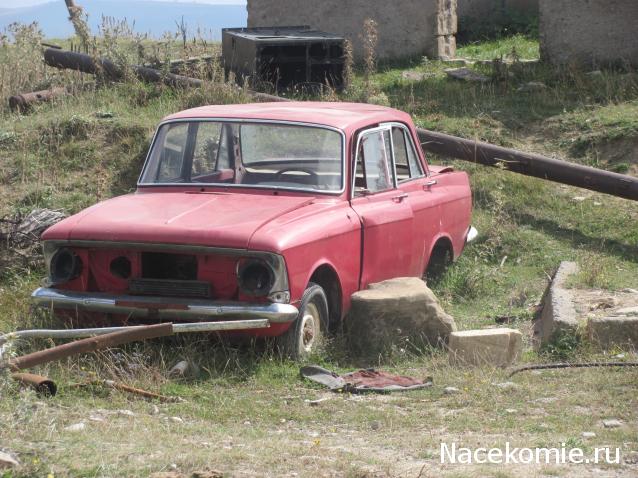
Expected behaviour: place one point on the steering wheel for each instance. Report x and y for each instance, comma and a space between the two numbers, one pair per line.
309, 172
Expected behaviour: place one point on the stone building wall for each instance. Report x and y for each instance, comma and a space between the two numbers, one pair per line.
482, 9
589, 32
405, 27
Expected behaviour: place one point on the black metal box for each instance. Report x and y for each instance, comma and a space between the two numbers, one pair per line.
284, 57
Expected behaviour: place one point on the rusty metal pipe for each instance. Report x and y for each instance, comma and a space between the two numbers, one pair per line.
87, 64
530, 164
24, 101
42, 385
90, 345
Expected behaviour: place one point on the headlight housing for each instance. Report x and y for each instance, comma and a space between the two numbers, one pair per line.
255, 277
65, 266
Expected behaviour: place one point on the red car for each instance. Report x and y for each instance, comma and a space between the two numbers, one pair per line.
262, 218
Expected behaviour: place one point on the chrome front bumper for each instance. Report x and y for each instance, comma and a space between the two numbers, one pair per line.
166, 308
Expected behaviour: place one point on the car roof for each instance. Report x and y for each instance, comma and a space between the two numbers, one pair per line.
344, 116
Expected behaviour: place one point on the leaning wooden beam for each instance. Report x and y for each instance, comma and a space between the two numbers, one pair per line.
530, 164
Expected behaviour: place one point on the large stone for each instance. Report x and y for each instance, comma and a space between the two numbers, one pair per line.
496, 347
559, 315
614, 331
466, 74
397, 312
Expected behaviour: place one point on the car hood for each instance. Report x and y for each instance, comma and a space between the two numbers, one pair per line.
208, 219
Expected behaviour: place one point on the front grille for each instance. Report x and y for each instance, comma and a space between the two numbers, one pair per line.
170, 288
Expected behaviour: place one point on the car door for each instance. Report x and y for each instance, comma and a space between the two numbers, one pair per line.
424, 195
385, 214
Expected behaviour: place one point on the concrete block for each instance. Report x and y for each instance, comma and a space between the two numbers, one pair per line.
496, 347
619, 331
559, 315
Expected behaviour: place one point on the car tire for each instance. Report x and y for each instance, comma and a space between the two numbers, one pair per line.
306, 335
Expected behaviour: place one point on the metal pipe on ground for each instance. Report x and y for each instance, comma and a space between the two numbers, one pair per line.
530, 164
70, 60
87, 64
90, 345
42, 385
24, 101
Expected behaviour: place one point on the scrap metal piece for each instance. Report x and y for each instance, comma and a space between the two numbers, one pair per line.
550, 366
128, 389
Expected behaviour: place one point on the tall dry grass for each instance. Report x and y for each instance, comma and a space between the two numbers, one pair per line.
21, 65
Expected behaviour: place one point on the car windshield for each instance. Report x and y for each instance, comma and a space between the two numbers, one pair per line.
255, 154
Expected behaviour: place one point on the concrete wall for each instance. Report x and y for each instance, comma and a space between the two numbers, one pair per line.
482, 9
589, 32
405, 27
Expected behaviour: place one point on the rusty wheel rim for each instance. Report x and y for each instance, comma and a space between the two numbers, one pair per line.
309, 327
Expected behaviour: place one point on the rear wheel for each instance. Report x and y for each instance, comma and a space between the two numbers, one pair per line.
306, 335
440, 260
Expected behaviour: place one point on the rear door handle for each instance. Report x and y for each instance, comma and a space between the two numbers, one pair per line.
400, 197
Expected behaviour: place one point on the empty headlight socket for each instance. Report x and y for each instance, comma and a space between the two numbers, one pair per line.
66, 265
255, 277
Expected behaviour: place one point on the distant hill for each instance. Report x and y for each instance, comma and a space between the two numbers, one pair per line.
154, 18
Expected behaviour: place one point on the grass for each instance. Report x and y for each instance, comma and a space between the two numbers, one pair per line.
517, 45
246, 414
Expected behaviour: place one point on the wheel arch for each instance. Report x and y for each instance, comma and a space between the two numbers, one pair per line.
325, 275
440, 246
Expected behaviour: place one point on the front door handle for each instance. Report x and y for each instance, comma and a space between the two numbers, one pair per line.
429, 184
400, 197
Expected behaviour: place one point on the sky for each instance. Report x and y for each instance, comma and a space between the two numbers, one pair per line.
29, 3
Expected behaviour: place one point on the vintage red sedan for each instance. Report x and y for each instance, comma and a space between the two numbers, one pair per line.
262, 218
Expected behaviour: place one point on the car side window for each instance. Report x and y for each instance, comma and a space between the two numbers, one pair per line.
374, 171
406, 160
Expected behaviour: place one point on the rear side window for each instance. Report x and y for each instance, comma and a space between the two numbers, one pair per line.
374, 172
407, 162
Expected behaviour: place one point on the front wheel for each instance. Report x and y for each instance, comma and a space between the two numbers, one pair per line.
305, 335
